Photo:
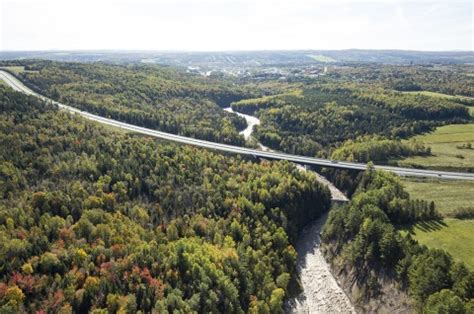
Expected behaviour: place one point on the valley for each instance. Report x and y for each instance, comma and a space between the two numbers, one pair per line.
260, 157
218, 182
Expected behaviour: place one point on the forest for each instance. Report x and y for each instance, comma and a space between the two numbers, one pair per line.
323, 116
302, 116
364, 236
156, 97
447, 79
378, 149
100, 220
97, 220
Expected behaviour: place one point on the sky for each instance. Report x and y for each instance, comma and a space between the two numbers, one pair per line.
217, 25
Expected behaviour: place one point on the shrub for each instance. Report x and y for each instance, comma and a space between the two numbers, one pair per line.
463, 213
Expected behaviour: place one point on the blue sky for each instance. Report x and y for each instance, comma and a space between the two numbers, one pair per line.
236, 25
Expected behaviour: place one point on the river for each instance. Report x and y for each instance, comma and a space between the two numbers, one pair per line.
321, 292
251, 123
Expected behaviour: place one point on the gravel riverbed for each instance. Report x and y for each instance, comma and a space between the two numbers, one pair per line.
321, 292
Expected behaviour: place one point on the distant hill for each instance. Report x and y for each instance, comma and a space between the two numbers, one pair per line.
250, 58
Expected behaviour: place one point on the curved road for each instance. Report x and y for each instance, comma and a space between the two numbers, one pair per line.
19, 86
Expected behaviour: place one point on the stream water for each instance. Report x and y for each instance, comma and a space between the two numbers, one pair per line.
321, 292
251, 123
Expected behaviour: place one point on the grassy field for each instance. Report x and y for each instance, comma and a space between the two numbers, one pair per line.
445, 145
448, 195
263, 99
435, 94
322, 58
452, 235
16, 69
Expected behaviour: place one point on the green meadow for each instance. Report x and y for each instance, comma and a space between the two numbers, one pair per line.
455, 236
435, 94
16, 69
449, 148
448, 195
322, 58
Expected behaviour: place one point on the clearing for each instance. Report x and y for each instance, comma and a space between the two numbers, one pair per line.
448, 195
455, 236
16, 69
322, 58
436, 94
449, 148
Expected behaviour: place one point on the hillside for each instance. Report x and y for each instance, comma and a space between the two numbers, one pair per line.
151, 96
327, 115
382, 267
95, 219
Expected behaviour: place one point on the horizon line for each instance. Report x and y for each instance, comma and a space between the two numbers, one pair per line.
120, 50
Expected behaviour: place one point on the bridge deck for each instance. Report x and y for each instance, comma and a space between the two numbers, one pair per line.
19, 86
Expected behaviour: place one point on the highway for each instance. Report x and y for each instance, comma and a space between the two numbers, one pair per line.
19, 86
